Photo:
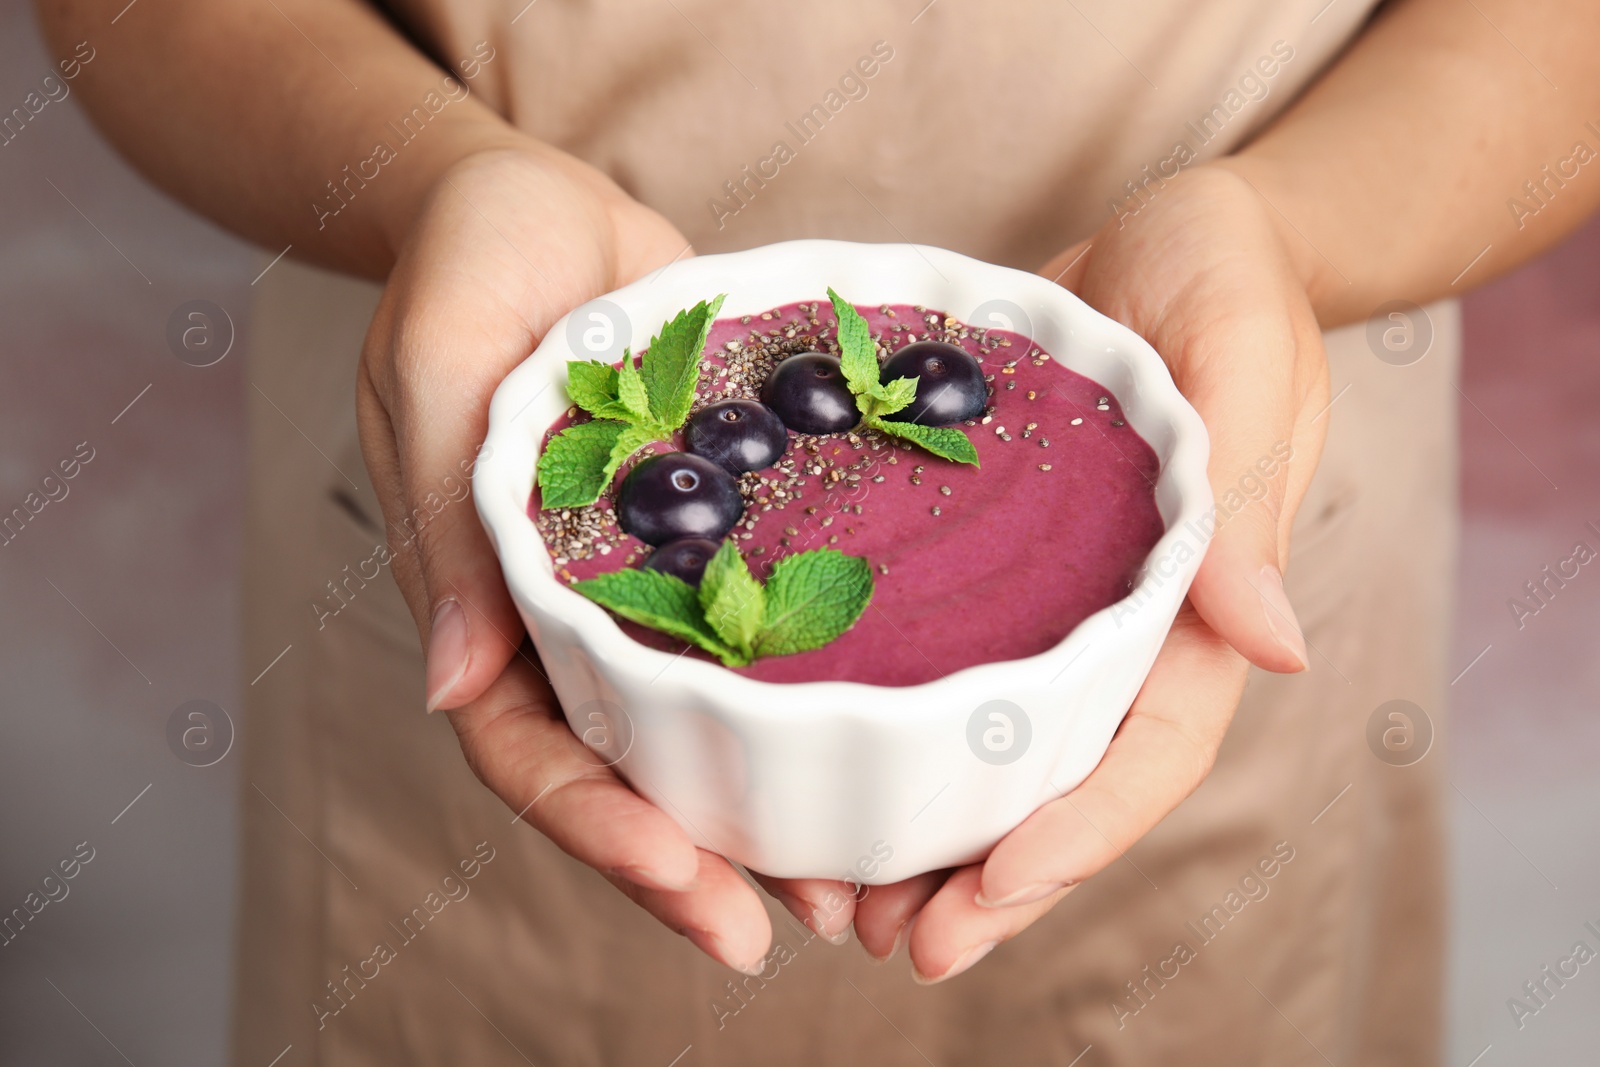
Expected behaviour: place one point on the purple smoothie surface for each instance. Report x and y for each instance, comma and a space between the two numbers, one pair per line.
971, 564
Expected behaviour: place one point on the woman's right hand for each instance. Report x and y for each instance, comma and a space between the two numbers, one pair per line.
506, 241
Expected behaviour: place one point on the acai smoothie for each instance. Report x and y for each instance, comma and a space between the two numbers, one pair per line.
977, 514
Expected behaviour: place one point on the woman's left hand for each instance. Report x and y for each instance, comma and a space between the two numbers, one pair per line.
1205, 273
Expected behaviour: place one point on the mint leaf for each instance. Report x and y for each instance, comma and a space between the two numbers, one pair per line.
616, 411
628, 442
732, 599
660, 602
670, 367
592, 385
631, 391
858, 356
892, 396
946, 442
812, 598
575, 467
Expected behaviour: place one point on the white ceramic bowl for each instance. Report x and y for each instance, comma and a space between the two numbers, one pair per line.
840, 779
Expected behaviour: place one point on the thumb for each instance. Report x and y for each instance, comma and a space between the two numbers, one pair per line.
422, 463
1248, 356
1261, 461
473, 628
1239, 588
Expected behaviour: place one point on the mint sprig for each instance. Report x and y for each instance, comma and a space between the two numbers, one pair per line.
632, 404
858, 360
811, 598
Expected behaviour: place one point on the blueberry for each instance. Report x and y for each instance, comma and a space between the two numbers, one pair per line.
678, 495
685, 558
738, 435
950, 386
809, 394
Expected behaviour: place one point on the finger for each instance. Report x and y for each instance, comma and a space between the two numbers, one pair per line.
719, 912
1162, 751
826, 905
518, 745
953, 931
885, 914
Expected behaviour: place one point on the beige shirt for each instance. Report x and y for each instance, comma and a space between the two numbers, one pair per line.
1002, 130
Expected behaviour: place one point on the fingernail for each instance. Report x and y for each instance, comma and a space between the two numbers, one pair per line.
712, 946
1026, 895
963, 961
447, 651
812, 916
1280, 615
899, 939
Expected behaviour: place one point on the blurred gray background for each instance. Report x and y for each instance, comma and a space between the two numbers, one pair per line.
121, 604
